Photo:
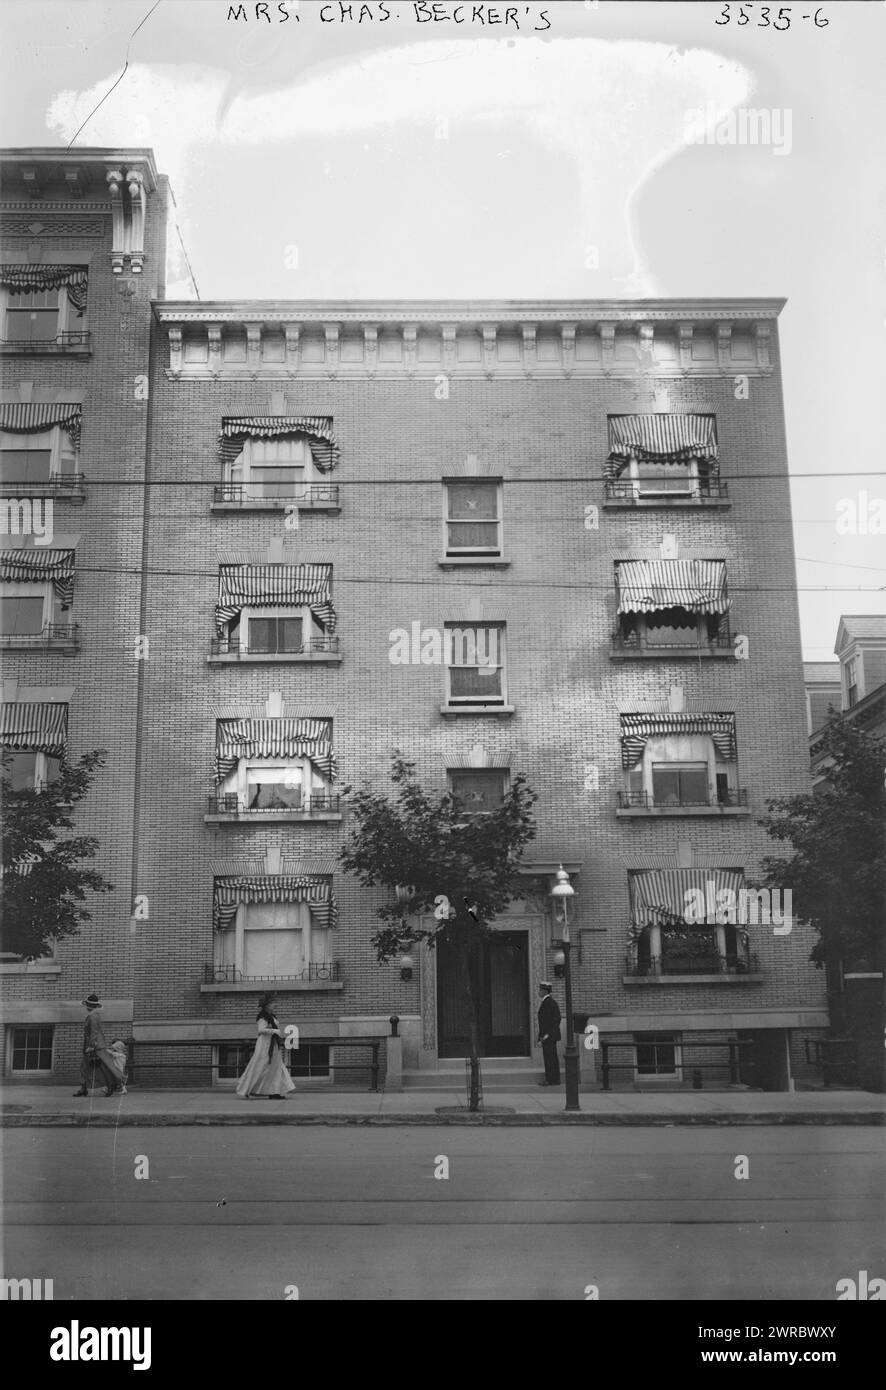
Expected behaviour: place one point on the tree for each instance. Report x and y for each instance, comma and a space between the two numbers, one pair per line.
837, 871
463, 870
44, 881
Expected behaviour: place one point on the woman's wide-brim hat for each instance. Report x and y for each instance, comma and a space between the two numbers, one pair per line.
91, 1001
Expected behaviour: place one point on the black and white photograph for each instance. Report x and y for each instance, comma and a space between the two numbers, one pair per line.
443, 640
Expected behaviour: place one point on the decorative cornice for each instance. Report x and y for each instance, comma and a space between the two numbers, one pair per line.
514, 314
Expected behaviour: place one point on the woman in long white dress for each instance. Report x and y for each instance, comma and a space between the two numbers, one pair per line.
266, 1073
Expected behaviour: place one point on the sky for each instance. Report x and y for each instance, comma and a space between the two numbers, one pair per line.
559, 150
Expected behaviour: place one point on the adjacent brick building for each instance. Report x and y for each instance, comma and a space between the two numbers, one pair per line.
311, 498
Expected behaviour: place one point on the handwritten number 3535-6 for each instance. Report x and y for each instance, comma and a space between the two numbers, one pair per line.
781, 22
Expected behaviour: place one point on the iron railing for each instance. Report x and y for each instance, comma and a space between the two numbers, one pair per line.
229, 974
40, 487
735, 796
698, 963
246, 495
647, 641
52, 637
314, 646
77, 341
625, 491
230, 804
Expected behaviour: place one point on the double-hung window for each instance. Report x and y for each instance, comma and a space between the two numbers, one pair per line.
680, 784
277, 469
31, 771
29, 1049
475, 663
260, 784
274, 940
35, 458
480, 790
35, 316
657, 1054
276, 631
26, 610
473, 518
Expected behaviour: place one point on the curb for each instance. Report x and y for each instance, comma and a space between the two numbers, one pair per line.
526, 1120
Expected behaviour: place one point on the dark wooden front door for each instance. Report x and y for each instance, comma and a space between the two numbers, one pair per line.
504, 1013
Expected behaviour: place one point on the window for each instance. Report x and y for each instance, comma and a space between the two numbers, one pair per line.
25, 609
265, 785
475, 664
311, 1059
680, 784
276, 631
657, 1054
271, 941
35, 316
657, 478
35, 458
479, 790
232, 1059
31, 1049
274, 468
852, 681
473, 518
31, 770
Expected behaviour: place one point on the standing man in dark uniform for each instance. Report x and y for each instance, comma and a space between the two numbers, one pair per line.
549, 1033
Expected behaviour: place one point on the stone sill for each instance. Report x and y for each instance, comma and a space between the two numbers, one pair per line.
23, 969
672, 654
653, 812
497, 711
75, 493
278, 986
453, 562
56, 647
278, 659
272, 818
271, 505
650, 503
639, 981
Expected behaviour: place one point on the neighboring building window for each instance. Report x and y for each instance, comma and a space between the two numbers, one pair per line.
473, 518
480, 790
35, 458
274, 468
25, 609
657, 1054
852, 682
35, 316
475, 663
820, 704
30, 1049
271, 941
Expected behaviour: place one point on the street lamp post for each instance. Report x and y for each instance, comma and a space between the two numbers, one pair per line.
561, 892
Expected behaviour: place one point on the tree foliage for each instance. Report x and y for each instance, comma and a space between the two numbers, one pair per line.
44, 882
837, 869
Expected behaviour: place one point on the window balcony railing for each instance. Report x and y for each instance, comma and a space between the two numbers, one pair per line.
696, 963
78, 342
230, 975
631, 492
317, 804
233, 495
672, 640
646, 801
314, 646
59, 485
63, 637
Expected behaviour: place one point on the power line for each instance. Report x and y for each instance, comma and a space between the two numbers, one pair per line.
119, 79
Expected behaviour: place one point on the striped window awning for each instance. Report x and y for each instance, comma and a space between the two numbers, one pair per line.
34, 728
316, 428
647, 586
663, 438
659, 896
274, 888
20, 279
35, 565
31, 417
274, 738
273, 586
637, 729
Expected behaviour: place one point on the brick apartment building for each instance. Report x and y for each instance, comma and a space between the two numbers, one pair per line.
270, 541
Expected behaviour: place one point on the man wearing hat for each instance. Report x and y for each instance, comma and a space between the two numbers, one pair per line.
94, 1044
549, 1033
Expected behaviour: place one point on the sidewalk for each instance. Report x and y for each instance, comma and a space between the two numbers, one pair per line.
25, 1106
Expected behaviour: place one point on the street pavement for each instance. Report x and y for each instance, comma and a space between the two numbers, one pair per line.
444, 1213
